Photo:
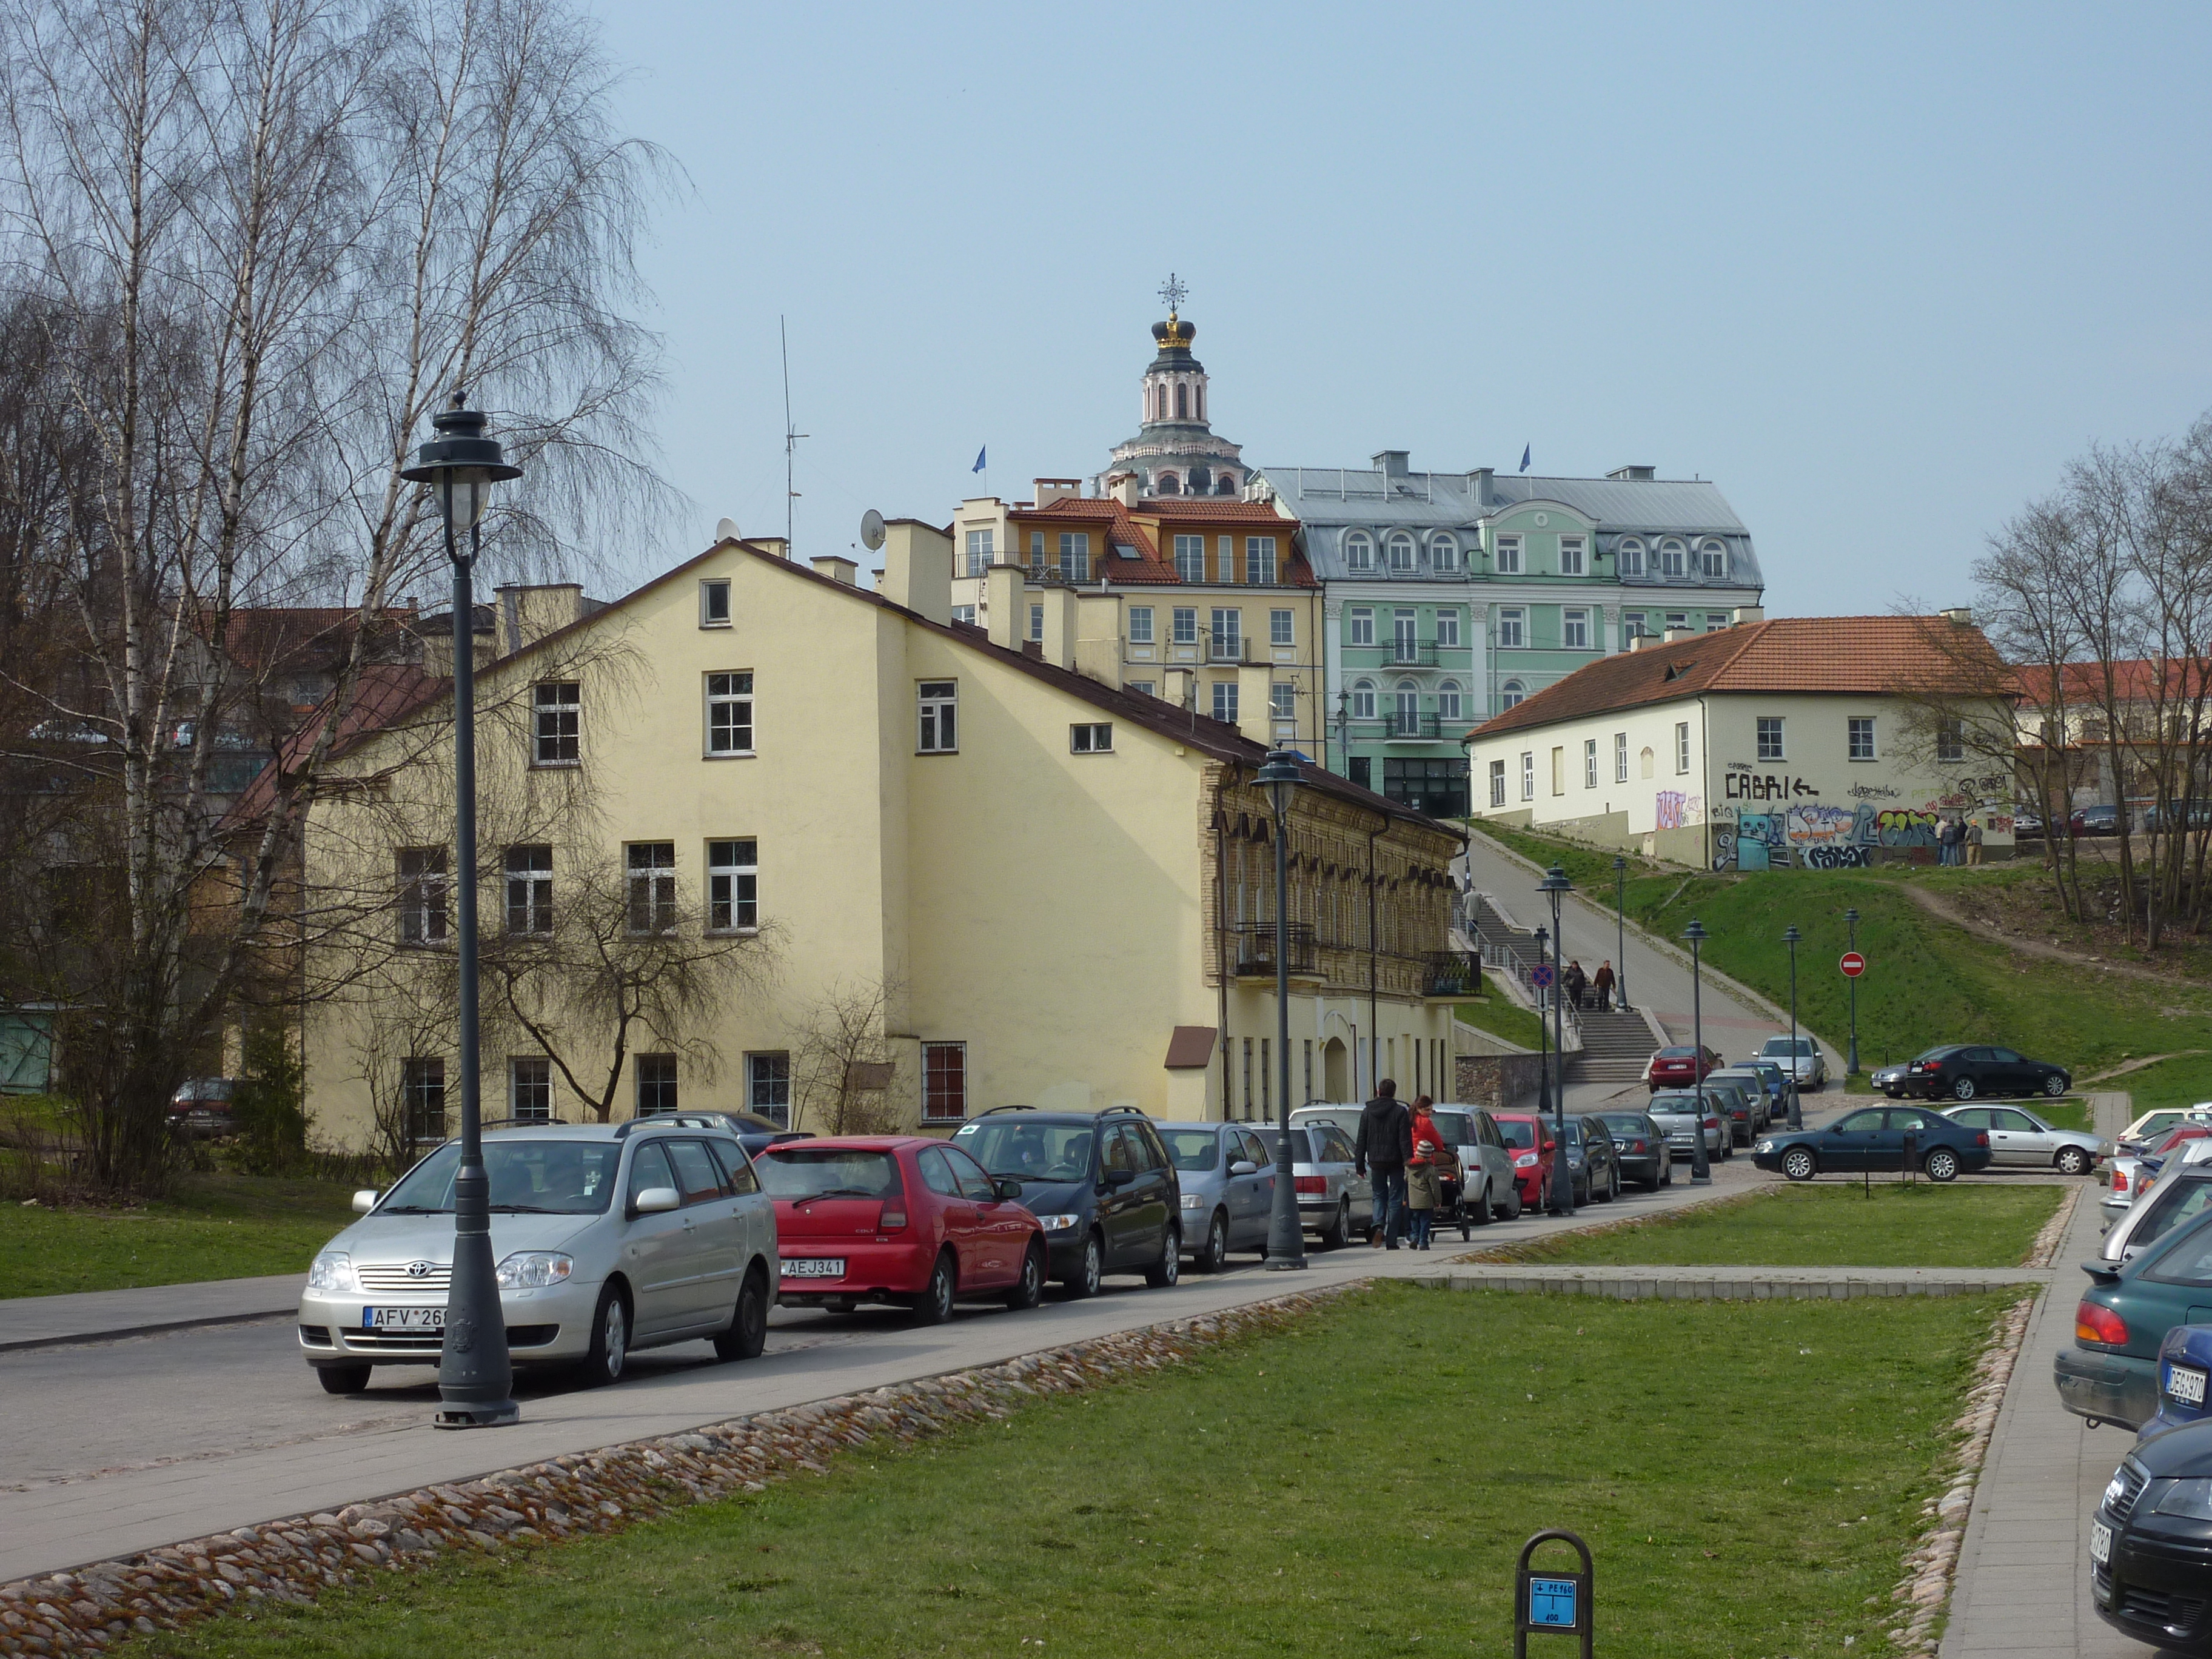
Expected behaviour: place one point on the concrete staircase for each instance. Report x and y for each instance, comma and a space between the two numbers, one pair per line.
1615, 1046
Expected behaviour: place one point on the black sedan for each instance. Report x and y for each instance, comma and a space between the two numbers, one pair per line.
1965, 1071
1592, 1163
1640, 1149
1877, 1138
2150, 1543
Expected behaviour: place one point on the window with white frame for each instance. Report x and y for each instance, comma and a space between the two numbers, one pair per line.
1444, 553
1950, 740
1075, 555
1405, 634
1402, 559
1448, 629
1716, 621
1143, 688
656, 1086
1528, 775
1282, 628
1620, 758
1409, 706
1572, 555
1681, 746
424, 887
1498, 783
1363, 699
1510, 694
1448, 700
529, 1089
1362, 623
1678, 619
1359, 551
1574, 629
714, 602
730, 714
733, 885
558, 735
1632, 624
979, 551
1630, 556
1036, 550
1140, 624
1090, 737
1508, 555
1769, 738
1589, 762
1228, 635
1860, 728
1224, 702
964, 613
937, 714
529, 889
1190, 558
1184, 623
767, 1086
1282, 699
1259, 560
652, 870
1671, 556
1712, 558
1036, 622
1512, 627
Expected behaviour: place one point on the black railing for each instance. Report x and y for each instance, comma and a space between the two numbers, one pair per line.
1419, 653
1452, 973
1224, 647
1255, 946
1410, 725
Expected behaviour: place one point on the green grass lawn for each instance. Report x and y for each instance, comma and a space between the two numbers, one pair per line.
1501, 1018
1923, 1225
2182, 1081
1361, 1484
2065, 1114
214, 1227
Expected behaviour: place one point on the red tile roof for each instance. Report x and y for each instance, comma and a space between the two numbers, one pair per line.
1140, 528
386, 694
2134, 679
1864, 655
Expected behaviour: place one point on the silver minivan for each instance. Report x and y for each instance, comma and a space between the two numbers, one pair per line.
1334, 1200
1227, 1172
608, 1237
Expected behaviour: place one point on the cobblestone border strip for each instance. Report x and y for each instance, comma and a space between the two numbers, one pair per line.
1923, 1596
292, 1560
2045, 1250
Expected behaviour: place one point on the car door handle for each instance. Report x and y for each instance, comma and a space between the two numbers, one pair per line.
689, 1222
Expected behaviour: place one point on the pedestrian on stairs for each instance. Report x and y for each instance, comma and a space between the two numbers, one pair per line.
1577, 983
1602, 984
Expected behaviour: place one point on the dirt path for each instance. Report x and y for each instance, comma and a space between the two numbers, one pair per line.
1944, 911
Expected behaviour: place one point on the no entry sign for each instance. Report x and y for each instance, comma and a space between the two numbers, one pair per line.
1853, 964
1540, 975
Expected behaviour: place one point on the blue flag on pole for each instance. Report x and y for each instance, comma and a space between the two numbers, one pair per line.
980, 453
1524, 457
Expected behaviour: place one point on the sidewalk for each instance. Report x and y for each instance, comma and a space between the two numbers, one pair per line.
2023, 1579
43, 1322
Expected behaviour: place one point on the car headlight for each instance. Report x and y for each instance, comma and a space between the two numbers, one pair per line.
1525, 1161
1057, 1224
1764, 1146
2192, 1498
1193, 1202
533, 1270
331, 1273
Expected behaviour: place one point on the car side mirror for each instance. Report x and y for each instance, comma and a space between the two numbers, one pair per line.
1008, 1189
656, 1200
364, 1201
1116, 1178
1551, 1145
1244, 1166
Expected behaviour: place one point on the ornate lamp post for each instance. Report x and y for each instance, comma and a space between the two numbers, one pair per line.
475, 1378
1701, 1171
1286, 1240
1851, 1061
1620, 930
1542, 979
1790, 936
1555, 884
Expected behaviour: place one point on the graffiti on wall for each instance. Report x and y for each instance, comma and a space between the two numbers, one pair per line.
1817, 824
1766, 786
1906, 826
1837, 858
1675, 811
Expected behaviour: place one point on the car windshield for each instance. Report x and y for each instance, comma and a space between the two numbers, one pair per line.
1193, 1149
550, 1178
2170, 1208
1626, 1123
1677, 1053
1782, 1047
800, 1171
1519, 1133
1676, 1105
1028, 1151
1456, 1128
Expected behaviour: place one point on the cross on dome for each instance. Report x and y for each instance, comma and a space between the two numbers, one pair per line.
1174, 292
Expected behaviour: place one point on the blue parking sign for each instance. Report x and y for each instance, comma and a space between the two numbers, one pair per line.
1552, 1603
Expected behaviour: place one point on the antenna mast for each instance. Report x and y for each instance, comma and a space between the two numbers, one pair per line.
790, 445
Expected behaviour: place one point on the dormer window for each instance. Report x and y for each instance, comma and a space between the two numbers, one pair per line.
1508, 555
1444, 553
1169, 485
1359, 551
1712, 559
1571, 555
1672, 557
1401, 553
1631, 553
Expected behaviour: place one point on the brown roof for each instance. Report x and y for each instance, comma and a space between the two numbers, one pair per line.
1140, 528
386, 694
1848, 655
2134, 679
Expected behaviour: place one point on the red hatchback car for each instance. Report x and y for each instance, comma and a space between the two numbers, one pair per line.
1529, 1139
898, 1218
1680, 1068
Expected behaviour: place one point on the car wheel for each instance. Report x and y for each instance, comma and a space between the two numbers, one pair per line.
1215, 1251
1029, 1289
1613, 1196
1478, 1212
1163, 1274
1894, 1094
1334, 1235
934, 1305
1963, 1089
1798, 1163
2073, 1161
1089, 1271
1941, 1165
342, 1379
610, 1350
748, 1332
2054, 1085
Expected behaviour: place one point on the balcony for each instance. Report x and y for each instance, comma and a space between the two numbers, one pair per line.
1410, 726
1227, 647
1452, 974
1254, 945
1409, 653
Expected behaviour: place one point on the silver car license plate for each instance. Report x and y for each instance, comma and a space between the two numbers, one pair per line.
2100, 1543
403, 1319
814, 1267
2185, 1385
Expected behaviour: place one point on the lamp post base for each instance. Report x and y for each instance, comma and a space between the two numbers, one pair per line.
478, 1417
1284, 1264
1701, 1180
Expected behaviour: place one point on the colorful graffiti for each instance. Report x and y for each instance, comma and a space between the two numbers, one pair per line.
1676, 810
1905, 826
1816, 824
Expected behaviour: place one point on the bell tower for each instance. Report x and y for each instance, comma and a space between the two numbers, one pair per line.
1175, 451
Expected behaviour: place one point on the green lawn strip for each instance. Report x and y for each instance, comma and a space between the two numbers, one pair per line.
2184, 1080
1501, 1018
2064, 1114
1922, 1225
1362, 1483
215, 1227
1588, 867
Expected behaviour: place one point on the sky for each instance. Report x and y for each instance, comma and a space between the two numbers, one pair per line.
1880, 271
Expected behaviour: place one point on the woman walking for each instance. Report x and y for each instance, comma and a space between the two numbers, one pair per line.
1424, 1172
1576, 980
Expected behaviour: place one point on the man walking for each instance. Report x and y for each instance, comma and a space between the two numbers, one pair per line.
1379, 1151
1602, 982
1974, 841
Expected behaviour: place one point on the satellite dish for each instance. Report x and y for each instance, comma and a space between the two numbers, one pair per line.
871, 529
725, 529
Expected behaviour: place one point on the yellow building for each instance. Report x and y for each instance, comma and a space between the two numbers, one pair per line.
1032, 884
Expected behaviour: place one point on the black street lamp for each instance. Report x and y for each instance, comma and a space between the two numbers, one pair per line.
1620, 930
1851, 1061
475, 1378
1790, 936
1555, 884
1701, 1171
1286, 1239
1541, 979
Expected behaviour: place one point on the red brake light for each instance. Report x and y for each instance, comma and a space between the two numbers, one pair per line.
2120, 1180
2094, 1322
1982, 1138
893, 1218
1311, 1183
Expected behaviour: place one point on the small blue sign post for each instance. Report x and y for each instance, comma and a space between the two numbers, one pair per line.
1554, 1601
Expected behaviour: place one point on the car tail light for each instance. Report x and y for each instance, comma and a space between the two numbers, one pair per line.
1636, 1146
2094, 1322
1311, 1184
1982, 1138
2119, 1179
1713, 1123
893, 1218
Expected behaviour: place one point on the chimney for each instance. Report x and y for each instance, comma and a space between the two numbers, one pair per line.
1747, 613
1393, 462
1633, 474
1254, 718
772, 544
1049, 490
1639, 639
1098, 637
1478, 484
1959, 615
837, 569
1006, 606
918, 569
1179, 686
1123, 486
525, 614
1677, 636
1058, 642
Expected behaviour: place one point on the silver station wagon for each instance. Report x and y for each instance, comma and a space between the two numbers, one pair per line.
608, 1237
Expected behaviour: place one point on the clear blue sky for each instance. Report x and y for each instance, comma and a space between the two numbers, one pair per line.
1879, 271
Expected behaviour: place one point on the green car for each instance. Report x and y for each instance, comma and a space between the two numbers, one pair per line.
2111, 1373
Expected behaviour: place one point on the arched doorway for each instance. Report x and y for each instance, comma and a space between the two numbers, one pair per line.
1336, 1070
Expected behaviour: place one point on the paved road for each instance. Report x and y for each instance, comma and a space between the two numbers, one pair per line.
111, 1447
